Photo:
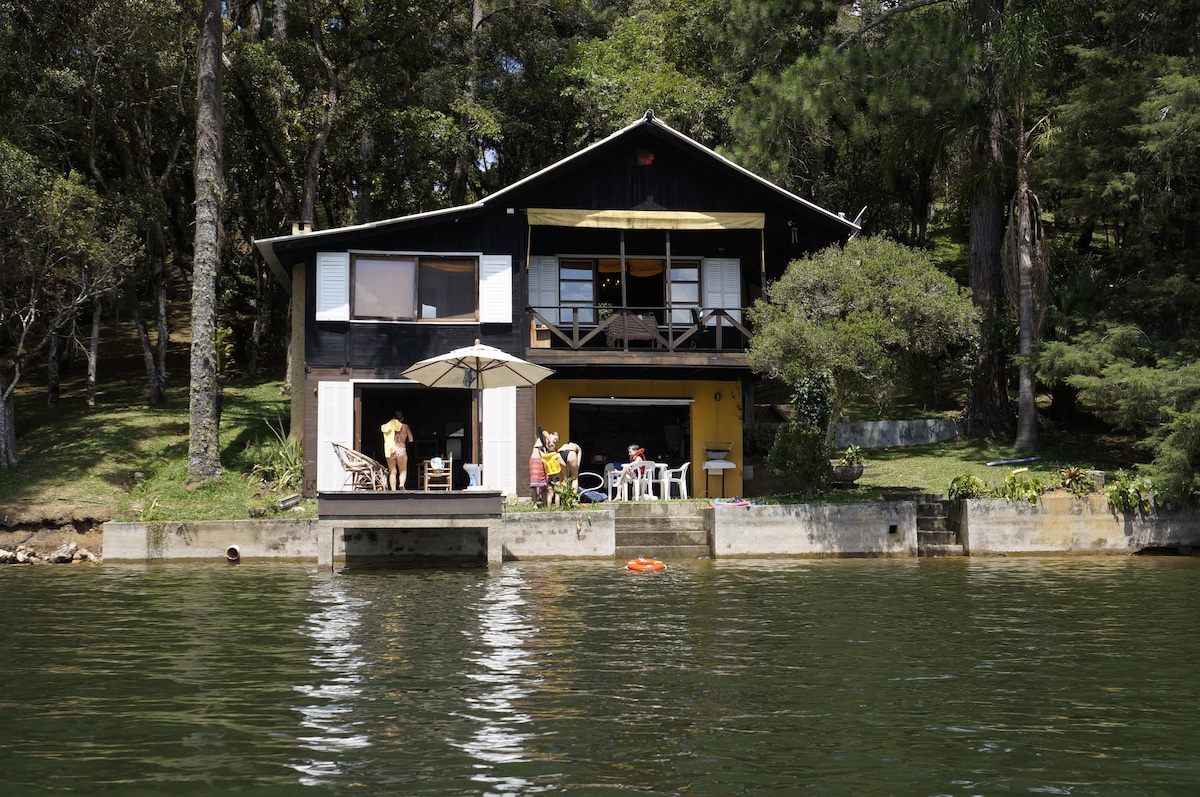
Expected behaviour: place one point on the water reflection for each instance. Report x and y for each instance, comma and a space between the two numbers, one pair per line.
504, 667
332, 629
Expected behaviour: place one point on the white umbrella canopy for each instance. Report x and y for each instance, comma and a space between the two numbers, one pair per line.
477, 367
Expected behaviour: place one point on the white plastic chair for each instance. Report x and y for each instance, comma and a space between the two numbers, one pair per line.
675, 476
643, 485
612, 480
642, 482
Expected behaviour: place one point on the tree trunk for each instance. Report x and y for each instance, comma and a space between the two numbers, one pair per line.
8, 428
53, 378
1027, 437
988, 413
154, 378
279, 21
93, 352
204, 455
162, 342
1027, 434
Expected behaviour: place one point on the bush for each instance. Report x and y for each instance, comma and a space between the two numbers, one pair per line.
1019, 485
800, 457
1076, 481
1128, 492
758, 439
967, 486
280, 461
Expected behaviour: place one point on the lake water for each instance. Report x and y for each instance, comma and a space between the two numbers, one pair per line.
1071, 676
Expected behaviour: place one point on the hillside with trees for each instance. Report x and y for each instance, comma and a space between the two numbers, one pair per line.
1044, 153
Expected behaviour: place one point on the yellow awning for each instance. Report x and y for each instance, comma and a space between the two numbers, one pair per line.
644, 219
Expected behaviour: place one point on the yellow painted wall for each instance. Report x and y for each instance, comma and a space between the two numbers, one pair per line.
712, 420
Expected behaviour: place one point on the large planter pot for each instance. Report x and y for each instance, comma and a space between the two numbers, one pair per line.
847, 474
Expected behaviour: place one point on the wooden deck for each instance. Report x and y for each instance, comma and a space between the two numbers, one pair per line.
380, 527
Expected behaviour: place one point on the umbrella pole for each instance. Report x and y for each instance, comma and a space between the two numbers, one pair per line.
479, 426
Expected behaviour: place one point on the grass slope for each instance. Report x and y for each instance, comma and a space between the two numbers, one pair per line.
125, 460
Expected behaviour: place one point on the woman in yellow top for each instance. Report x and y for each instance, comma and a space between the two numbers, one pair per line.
396, 436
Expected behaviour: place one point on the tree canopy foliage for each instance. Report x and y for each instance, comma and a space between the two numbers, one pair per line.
865, 314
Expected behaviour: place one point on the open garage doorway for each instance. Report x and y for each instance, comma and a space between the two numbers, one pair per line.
605, 427
440, 422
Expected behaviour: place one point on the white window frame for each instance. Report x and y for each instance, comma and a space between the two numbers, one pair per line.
494, 295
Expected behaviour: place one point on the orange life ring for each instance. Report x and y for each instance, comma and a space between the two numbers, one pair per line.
642, 565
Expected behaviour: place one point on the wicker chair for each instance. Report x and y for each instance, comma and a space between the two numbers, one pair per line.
362, 472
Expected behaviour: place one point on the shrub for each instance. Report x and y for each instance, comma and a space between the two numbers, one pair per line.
800, 457
967, 486
1128, 492
568, 499
758, 439
1076, 481
280, 461
1020, 486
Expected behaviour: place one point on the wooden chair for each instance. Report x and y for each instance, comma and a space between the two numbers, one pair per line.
435, 477
362, 472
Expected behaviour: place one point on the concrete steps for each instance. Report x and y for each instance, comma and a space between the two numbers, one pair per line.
935, 533
661, 530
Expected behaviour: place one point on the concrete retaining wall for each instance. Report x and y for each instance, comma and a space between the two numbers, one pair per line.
1066, 524
889, 434
560, 535
284, 540
544, 535
815, 530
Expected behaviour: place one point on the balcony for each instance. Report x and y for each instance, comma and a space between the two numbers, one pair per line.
649, 335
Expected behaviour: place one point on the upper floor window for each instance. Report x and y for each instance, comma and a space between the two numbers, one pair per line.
414, 288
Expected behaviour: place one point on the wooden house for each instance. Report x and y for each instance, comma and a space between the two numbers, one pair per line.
626, 268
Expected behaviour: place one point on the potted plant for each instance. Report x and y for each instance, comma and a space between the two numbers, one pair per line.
849, 468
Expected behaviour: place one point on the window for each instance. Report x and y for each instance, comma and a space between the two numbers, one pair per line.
577, 288
684, 291
414, 288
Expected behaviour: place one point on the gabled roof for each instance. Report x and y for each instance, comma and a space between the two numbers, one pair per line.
267, 245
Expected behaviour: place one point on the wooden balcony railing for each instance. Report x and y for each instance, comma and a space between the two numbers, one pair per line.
715, 329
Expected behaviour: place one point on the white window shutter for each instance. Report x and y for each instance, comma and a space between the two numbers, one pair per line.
495, 289
335, 424
722, 286
500, 439
333, 286
543, 287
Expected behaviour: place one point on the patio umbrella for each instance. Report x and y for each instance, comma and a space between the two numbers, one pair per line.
477, 367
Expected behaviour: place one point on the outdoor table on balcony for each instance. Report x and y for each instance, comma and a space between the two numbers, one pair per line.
720, 465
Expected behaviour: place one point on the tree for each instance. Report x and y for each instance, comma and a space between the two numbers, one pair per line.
204, 454
1023, 40
60, 249
865, 314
